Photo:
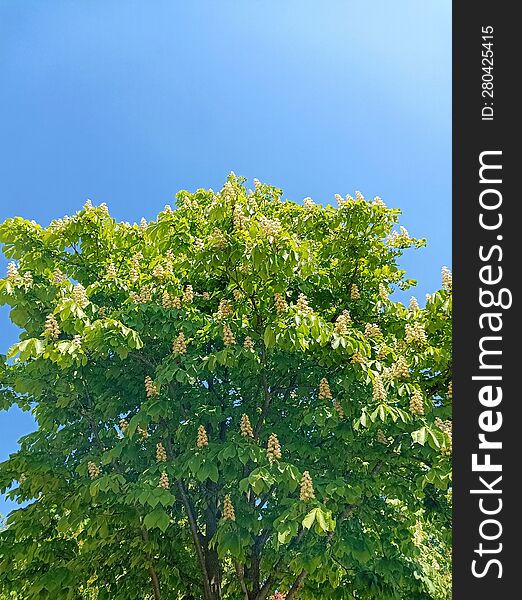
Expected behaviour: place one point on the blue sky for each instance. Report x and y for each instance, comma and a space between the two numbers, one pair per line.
128, 102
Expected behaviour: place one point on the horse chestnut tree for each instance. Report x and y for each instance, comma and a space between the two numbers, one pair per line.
229, 405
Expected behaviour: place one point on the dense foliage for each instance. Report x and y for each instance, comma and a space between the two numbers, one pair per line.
229, 405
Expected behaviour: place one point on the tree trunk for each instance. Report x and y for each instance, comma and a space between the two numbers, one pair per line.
211, 557
155, 584
253, 575
153, 575
199, 544
214, 574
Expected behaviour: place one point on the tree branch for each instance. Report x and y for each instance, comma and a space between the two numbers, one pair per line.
267, 586
153, 575
297, 585
266, 404
344, 515
196, 538
268, 400
241, 576
269, 582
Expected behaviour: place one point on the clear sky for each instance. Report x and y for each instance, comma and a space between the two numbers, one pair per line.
128, 102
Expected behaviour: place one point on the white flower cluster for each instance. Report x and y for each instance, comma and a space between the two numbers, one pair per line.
93, 470
324, 390
306, 491
273, 448
400, 369
228, 336
199, 244
379, 392
142, 432
150, 388
161, 453
417, 403
302, 304
358, 358
418, 534
164, 483
134, 273
111, 272
168, 300
281, 304
179, 346
159, 271
342, 322
79, 295
12, 271
228, 191
248, 344
202, 437
414, 305
252, 201
382, 352
188, 203
188, 294
224, 310
228, 509
246, 427
415, 333
339, 409
238, 217
355, 294
372, 330
445, 426
58, 277
143, 297
51, 329
447, 279
381, 438
270, 227
399, 240
59, 225
308, 204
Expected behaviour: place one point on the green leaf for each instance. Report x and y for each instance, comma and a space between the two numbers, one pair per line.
419, 436
321, 520
158, 518
309, 520
284, 536
269, 337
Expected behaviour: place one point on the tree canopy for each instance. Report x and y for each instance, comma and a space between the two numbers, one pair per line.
228, 404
